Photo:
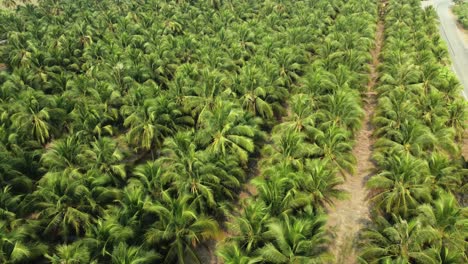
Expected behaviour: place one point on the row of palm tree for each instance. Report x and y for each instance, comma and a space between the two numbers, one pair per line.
308, 153
419, 124
128, 128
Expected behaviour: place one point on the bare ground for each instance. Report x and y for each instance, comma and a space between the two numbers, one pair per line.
464, 143
349, 216
18, 3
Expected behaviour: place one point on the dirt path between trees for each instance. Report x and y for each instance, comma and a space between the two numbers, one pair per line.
349, 216
207, 251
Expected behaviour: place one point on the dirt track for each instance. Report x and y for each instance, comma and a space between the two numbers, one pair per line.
349, 216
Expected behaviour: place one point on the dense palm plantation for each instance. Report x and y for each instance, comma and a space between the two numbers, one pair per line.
309, 152
419, 123
130, 134
130, 129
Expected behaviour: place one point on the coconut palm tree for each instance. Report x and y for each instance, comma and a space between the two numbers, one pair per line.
67, 209
224, 129
342, 109
179, 229
447, 175
289, 60
399, 241
108, 160
35, 122
156, 119
107, 232
76, 252
289, 149
411, 138
457, 113
203, 96
152, 176
124, 254
17, 242
10, 170
392, 112
207, 177
296, 240
35, 116
446, 217
90, 120
402, 185
446, 256
250, 87
303, 114
64, 154
232, 254
318, 183
249, 228
9, 203
334, 144
277, 194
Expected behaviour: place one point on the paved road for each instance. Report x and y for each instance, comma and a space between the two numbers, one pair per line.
455, 42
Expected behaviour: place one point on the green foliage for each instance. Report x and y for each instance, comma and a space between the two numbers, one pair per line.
461, 10
143, 119
128, 130
309, 152
419, 124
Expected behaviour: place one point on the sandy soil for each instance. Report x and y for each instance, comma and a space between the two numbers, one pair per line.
18, 3
206, 253
347, 217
